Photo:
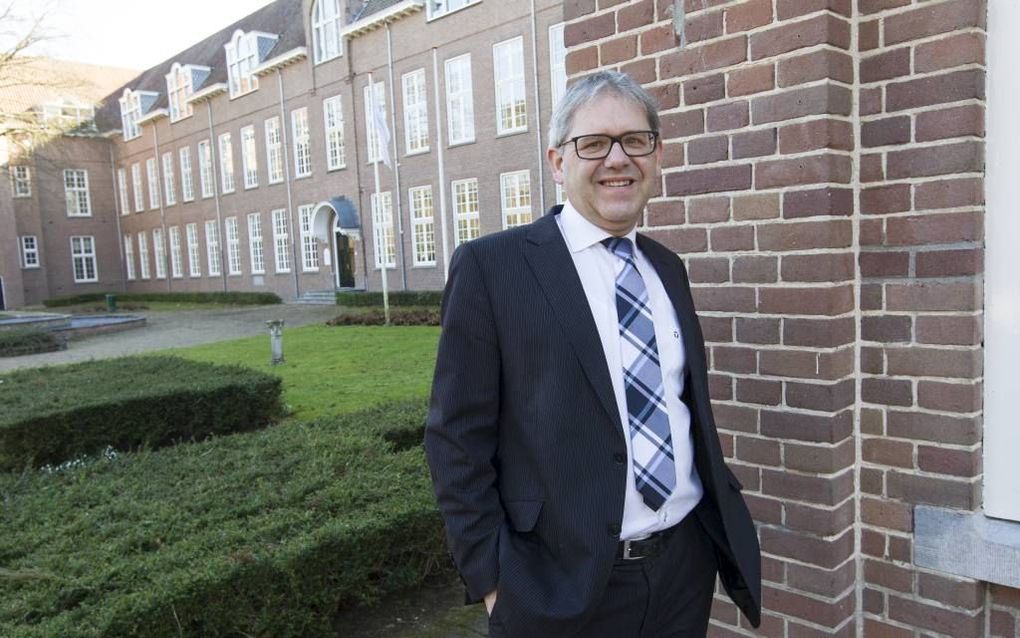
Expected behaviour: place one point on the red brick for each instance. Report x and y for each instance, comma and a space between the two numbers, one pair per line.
820, 521
813, 169
884, 132
709, 180
824, 582
959, 157
727, 116
822, 29
867, 35
959, 121
702, 58
740, 360
949, 330
871, 101
704, 150
673, 155
786, 9
818, 333
872, 296
872, 421
873, 482
824, 397
805, 235
883, 391
886, 65
618, 50
708, 270
756, 206
681, 240
888, 575
754, 143
823, 267
955, 50
932, 491
814, 135
658, 39
720, 388
937, 89
967, 594
757, 330
643, 71
729, 238
704, 89
724, 299
783, 424
934, 362
1002, 623
887, 514
704, 26
888, 452
667, 96
934, 228
748, 15
886, 328
879, 629
1006, 596
752, 79
900, 549
881, 200
589, 29
819, 459
933, 427
683, 124
872, 361
664, 213
576, 8
942, 460
806, 301
805, 548
816, 65
949, 193
579, 60
874, 6
717, 328
808, 365
825, 99
707, 210
755, 270
736, 417
934, 18
605, 4
760, 391
933, 296
949, 263
935, 618
635, 15
872, 169
827, 201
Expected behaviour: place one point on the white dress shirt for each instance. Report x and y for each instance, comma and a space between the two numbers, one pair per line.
596, 266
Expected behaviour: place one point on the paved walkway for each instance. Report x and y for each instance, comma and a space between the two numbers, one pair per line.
172, 329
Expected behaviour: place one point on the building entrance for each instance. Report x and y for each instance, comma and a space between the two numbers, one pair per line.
344, 261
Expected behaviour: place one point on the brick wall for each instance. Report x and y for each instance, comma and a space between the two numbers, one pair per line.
823, 179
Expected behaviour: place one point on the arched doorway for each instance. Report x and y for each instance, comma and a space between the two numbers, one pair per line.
335, 223
343, 249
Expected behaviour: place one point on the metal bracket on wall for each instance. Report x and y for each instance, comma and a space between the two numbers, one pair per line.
679, 22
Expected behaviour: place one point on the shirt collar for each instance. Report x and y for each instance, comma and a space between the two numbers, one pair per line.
581, 234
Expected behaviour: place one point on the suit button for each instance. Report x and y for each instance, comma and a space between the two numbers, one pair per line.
620, 457
613, 529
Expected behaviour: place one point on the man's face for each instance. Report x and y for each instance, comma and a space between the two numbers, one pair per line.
611, 192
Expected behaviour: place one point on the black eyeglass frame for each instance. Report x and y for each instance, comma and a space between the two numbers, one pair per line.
613, 139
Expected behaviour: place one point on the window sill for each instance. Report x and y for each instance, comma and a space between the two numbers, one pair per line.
30, 267
251, 188
336, 168
967, 544
225, 192
325, 60
421, 151
423, 266
79, 216
512, 132
461, 143
296, 177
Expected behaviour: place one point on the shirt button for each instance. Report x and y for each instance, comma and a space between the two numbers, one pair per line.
620, 457
613, 529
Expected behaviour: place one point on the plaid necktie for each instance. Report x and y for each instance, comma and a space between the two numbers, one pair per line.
648, 420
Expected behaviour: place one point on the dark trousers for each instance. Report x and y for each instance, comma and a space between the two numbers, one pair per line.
668, 595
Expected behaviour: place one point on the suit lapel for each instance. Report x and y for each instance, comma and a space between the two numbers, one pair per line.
550, 261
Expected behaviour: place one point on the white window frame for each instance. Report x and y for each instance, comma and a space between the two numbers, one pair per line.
515, 197
372, 141
169, 187
509, 86
302, 142
557, 63
467, 218
242, 56
21, 181
178, 90
333, 120
440, 8
382, 230
249, 157
29, 253
159, 252
212, 248
309, 247
256, 251
144, 270
122, 191
459, 100
281, 240
152, 175
187, 181
326, 23
176, 265
194, 252
423, 226
226, 164
274, 150
416, 112
206, 175
129, 256
136, 183
233, 246
77, 201
130, 113
85, 254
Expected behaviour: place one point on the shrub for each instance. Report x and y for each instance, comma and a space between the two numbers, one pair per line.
57, 413
400, 298
238, 298
261, 534
398, 317
15, 343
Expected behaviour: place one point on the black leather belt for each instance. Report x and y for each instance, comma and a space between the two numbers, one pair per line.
645, 547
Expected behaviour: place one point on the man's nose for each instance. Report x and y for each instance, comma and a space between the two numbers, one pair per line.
616, 155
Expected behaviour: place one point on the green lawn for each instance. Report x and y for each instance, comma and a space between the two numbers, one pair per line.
330, 370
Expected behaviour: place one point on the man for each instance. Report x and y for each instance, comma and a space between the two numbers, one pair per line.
571, 441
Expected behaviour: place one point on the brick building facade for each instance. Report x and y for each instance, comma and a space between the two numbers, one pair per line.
825, 181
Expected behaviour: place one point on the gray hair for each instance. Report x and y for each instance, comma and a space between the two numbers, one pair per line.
585, 90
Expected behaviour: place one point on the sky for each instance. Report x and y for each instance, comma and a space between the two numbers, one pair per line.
128, 34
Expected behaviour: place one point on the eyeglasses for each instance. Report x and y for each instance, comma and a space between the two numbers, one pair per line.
596, 147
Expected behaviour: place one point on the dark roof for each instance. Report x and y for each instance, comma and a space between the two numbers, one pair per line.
372, 6
282, 18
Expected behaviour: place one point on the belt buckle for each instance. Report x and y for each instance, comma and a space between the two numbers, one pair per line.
626, 551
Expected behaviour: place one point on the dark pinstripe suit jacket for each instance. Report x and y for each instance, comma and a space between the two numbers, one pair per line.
524, 438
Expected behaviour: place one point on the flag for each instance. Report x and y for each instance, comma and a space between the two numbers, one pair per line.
382, 132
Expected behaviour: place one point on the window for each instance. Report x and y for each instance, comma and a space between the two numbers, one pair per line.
459, 102
309, 249
178, 90
465, 202
212, 247
226, 164
423, 226
302, 144
274, 150
332, 113
281, 240
375, 151
382, 226
255, 251
242, 57
153, 174
416, 113
83, 259
233, 246
70, 114
176, 267
437, 8
159, 248
515, 189
205, 169
508, 69
194, 261
169, 188
143, 255
76, 192
187, 186
249, 160
557, 63
130, 113
326, 30
136, 181
29, 251
122, 189
129, 257
22, 177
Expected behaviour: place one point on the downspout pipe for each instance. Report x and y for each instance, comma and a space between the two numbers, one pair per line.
284, 141
396, 163
214, 153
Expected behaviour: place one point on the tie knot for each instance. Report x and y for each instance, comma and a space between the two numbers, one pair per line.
622, 247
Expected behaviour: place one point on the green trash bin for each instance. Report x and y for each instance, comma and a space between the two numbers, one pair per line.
111, 303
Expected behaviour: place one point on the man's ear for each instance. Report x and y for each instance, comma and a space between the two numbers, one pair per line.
555, 160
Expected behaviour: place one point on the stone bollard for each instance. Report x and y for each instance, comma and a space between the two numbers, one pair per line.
276, 340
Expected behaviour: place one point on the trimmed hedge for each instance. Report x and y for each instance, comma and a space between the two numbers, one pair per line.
14, 343
261, 534
55, 414
237, 298
398, 317
400, 298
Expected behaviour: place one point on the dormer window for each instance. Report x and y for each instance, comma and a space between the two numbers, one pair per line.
69, 114
178, 89
326, 27
244, 52
130, 113
437, 8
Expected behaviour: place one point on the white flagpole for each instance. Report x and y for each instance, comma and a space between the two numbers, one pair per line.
378, 199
